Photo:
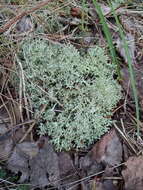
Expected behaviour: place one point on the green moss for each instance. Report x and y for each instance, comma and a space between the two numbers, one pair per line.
79, 91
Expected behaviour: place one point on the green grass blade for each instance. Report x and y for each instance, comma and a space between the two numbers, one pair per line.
108, 36
131, 70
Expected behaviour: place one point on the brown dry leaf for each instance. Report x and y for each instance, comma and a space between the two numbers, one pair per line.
45, 167
51, 168
67, 169
18, 162
90, 165
106, 9
92, 10
108, 149
41, 165
133, 174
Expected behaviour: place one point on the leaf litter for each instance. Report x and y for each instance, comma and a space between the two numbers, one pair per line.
37, 161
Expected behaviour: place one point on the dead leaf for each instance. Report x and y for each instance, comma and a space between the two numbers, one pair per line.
41, 165
19, 163
90, 165
29, 149
45, 167
133, 175
66, 164
108, 149
51, 168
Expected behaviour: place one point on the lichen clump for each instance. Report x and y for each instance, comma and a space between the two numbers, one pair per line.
79, 91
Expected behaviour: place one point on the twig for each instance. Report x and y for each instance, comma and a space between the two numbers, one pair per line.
12, 108
13, 129
125, 138
22, 79
1, 98
8, 98
4, 180
90, 176
22, 14
20, 88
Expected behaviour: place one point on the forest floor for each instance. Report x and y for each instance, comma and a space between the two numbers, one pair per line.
115, 161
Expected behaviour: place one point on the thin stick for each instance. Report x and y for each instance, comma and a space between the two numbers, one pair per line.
20, 89
23, 90
6, 109
125, 138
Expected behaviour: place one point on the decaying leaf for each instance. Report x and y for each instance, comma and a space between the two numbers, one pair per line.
18, 162
133, 175
41, 165
106, 152
108, 149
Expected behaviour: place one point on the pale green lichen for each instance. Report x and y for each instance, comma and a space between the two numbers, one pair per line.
80, 92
